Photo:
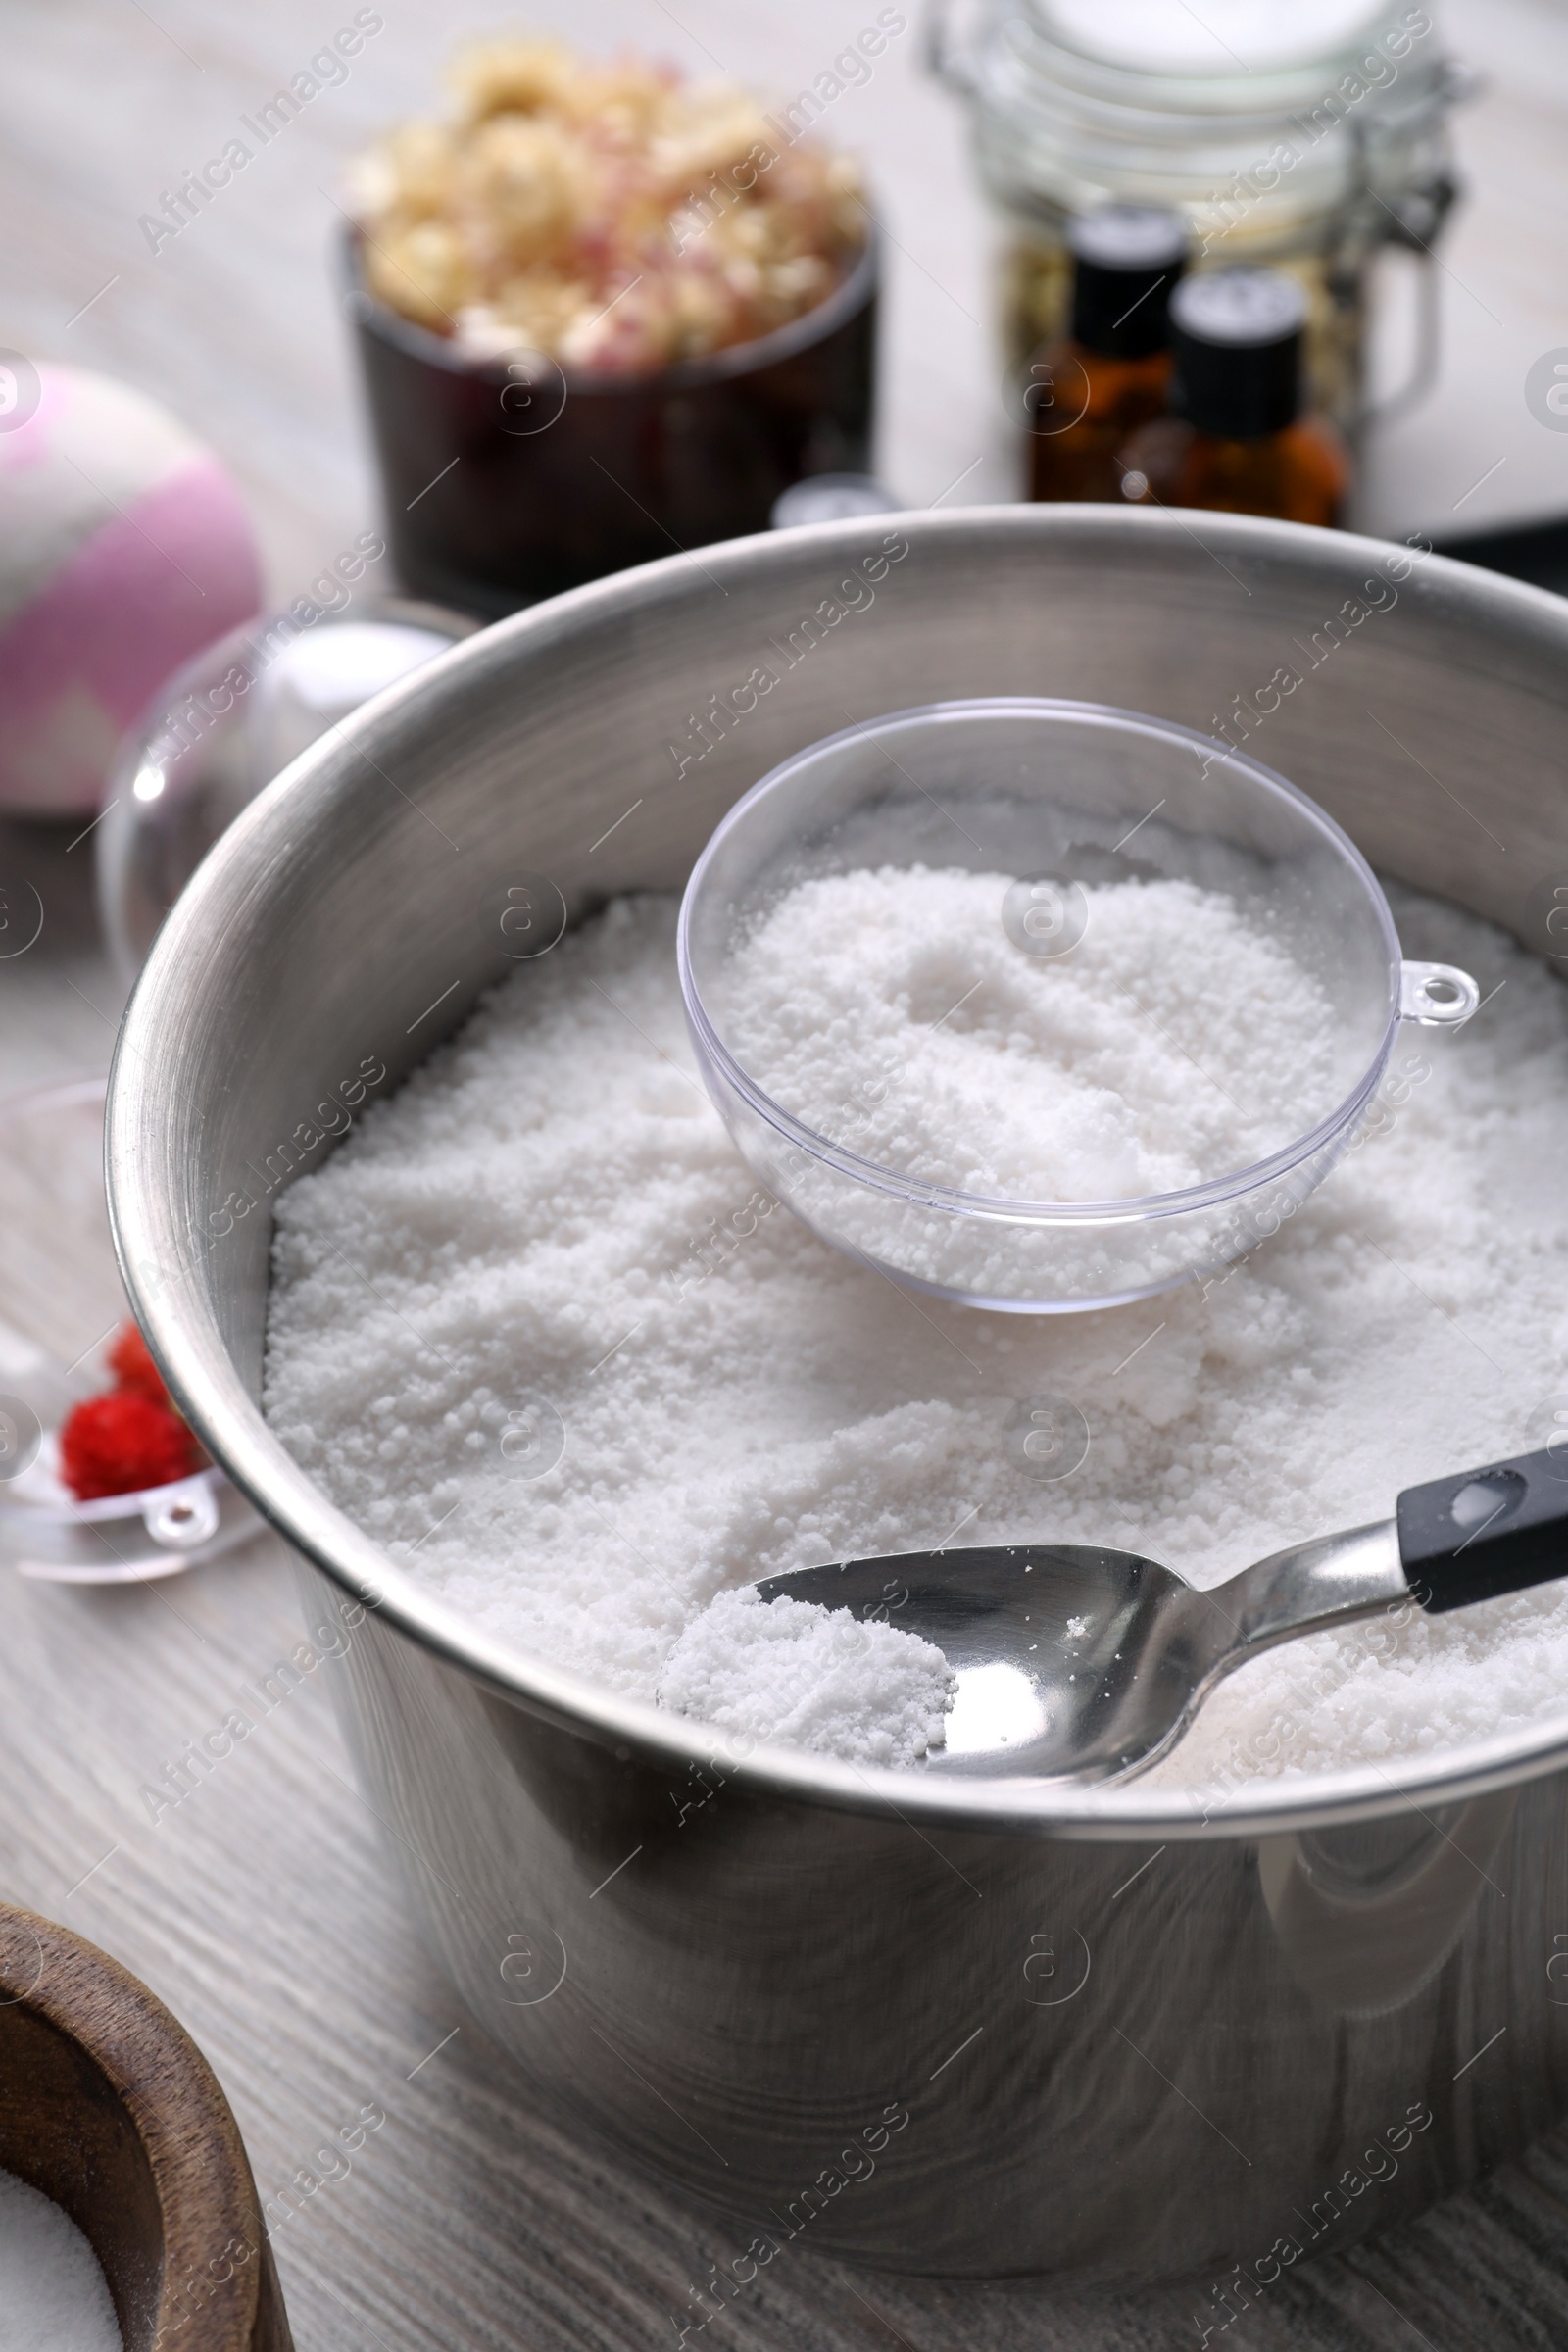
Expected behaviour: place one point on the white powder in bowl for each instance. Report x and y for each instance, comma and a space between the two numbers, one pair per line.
54, 2296
810, 1677
535, 1328
891, 1010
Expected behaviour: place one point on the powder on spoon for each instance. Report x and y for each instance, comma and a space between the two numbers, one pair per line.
537, 1330
810, 1677
54, 2296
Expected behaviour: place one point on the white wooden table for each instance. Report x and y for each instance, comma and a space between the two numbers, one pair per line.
259, 1908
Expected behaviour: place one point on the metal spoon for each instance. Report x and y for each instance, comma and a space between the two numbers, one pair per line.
1078, 1662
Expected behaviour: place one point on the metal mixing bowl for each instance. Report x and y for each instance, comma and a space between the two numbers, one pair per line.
944, 2026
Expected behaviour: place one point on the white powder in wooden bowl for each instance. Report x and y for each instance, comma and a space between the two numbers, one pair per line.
544, 1245
54, 2296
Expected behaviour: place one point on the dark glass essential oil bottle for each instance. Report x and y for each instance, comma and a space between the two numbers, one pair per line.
1087, 390
1235, 440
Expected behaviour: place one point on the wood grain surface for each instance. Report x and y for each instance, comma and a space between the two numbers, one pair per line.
258, 1907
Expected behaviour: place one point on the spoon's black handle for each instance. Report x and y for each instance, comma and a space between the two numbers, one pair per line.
1485, 1532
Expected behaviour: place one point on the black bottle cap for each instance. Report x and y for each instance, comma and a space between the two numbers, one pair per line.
1127, 259
1236, 336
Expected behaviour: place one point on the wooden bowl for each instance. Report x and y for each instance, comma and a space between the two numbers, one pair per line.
569, 479
107, 2105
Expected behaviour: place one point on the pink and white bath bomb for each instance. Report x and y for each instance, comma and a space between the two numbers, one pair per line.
123, 550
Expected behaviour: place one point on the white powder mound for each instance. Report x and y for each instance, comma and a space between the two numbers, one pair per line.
808, 1676
550, 1223
890, 1010
54, 2296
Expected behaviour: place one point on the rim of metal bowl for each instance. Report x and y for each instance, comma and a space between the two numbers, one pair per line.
1133, 1209
203, 1378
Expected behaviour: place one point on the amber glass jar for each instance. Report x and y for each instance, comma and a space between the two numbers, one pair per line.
1235, 439
1086, 391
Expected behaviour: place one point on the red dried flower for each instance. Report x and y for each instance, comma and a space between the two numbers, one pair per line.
133, 1367
119, 1444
